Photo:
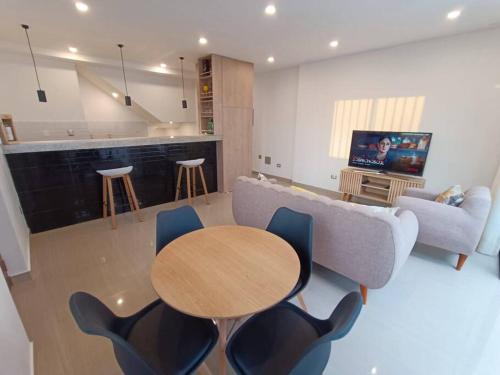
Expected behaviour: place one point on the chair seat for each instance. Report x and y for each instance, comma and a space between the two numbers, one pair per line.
273, 341
171, 342
191, 163
115, 172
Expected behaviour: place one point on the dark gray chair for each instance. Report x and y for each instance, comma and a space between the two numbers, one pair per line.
286, 340
175, 223
297, 229
156, 340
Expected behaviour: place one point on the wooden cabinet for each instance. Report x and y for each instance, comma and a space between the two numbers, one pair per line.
225, 108
383, 188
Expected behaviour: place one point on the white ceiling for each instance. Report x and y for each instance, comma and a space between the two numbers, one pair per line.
155, 31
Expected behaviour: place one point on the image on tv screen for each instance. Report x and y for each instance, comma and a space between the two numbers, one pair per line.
390, 151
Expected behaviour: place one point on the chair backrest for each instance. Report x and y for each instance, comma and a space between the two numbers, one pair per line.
175, 223
337, 326
94, 318
297, 229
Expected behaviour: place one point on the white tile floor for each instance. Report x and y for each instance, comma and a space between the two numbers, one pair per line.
430, 320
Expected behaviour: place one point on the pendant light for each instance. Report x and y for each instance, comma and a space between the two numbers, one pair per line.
42, 98
184, 101
128, 101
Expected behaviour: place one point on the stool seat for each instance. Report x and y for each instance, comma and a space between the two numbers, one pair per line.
115, 171
191, 163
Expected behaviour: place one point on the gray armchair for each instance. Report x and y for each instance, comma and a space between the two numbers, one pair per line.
456, 229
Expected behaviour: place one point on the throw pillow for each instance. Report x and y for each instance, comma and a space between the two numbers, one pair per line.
452, 196
379, 209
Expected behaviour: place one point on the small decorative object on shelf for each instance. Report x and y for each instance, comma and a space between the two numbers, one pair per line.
7, 130
210, 126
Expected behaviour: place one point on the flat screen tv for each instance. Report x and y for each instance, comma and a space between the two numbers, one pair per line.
397, 152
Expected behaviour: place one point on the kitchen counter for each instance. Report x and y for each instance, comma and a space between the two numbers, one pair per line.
58, 185
83, 144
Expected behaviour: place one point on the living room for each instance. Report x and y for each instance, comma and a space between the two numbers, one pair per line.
323, 197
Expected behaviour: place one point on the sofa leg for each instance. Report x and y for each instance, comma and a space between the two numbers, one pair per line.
364, 293
461, 260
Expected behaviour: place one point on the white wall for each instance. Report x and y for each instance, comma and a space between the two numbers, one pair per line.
75, 103
275, 104
15, 348
459, 77
14, 232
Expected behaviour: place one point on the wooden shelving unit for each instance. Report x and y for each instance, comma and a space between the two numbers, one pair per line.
383, 188
7, 130
225, 108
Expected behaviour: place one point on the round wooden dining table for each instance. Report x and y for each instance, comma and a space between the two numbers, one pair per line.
224, 273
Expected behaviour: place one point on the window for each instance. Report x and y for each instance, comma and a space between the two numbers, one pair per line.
387, 114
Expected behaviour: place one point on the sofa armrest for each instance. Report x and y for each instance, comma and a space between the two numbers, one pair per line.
429, 195
439, 212
406, 239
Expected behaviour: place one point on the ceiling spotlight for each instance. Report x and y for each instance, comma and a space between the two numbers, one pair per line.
270, 59
119, 301
454, 14
115, 94
202, 41
270, 10
73, 49
163, 65
81, 7
334, 43
170, 122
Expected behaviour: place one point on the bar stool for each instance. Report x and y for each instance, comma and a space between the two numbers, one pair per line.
191, 166
107, 190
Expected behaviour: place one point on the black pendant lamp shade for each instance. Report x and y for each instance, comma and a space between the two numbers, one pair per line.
128, 101
42, 98
184, 101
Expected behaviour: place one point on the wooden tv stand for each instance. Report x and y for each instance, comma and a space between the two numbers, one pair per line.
383, 188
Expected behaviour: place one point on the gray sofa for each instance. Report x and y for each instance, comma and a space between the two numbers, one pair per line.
369, 248
456, 229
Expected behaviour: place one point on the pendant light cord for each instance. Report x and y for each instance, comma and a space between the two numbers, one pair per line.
26, 27
123, 69
182, 77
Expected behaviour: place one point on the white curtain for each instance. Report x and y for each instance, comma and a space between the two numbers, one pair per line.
490, 242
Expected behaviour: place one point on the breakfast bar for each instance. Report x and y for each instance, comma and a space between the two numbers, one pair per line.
58, 185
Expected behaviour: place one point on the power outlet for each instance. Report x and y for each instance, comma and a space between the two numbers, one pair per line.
260, 156
278, 165
267, 160
333, 176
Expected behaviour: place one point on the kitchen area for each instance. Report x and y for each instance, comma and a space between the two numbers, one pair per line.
55, 148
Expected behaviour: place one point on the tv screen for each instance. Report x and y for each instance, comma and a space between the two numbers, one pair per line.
396, 152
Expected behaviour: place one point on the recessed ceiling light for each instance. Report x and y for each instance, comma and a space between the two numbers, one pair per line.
73, 49
202, 41
334, 43
270, 59
163, 65
270, 10
454, 14
119, 301
170, 122
115, 94
82, 7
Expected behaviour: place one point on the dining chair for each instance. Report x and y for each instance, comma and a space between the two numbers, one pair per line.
175, 223
287, 340
156, 340
297, 229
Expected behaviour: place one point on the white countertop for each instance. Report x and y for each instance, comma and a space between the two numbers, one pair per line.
80, 144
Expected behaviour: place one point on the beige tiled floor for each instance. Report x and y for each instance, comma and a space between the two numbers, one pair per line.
110, 264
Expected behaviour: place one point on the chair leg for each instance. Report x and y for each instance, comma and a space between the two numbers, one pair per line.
179, 179
461, 260
188, 185
194, 182
364, 293
134, 197
104, 197
111, 202
202, 176
302, 303
204, 369
129, 196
